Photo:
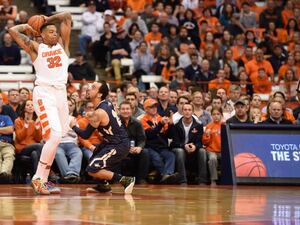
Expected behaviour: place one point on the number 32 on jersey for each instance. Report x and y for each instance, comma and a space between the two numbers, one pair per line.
54, 62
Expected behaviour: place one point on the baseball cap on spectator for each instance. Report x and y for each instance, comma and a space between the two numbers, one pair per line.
108, 12
120, 29
240, 102
149, 102
91, 3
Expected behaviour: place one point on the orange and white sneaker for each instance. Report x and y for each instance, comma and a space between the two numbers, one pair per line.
39, 187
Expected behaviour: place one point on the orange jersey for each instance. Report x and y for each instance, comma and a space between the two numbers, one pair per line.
94, 139
26, 136
238, 52
212, 141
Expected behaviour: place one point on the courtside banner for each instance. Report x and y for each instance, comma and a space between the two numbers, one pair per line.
264, 153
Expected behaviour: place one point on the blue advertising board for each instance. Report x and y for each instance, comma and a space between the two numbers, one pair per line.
262, 154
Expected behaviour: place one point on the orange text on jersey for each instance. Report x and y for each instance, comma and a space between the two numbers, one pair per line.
52, 53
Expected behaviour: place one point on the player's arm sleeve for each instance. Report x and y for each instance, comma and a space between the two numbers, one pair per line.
86, 133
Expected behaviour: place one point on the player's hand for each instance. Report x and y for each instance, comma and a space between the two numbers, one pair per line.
45, 18
30, 31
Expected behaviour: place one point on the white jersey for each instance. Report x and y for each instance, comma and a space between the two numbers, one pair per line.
51, 65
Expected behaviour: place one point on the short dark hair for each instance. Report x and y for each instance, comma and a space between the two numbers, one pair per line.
184, 97
104, 90
125, 103
45, 25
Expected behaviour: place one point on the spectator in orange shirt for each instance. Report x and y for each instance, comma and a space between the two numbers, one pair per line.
289, 85
287, 13
259, 62
211, 20
138, 5
87, 146
290, 64
212, 140
28, 134
261, 82
169, 71
153, 38
220, 82
238, 49
248, 56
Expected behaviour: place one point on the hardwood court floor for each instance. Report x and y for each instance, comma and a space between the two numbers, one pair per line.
153, 205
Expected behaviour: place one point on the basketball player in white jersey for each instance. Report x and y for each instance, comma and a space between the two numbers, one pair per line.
50, 60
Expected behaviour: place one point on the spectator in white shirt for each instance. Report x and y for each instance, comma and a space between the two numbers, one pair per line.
92, 27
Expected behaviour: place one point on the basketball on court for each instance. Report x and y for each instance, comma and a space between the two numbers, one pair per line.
36, 22
249, 165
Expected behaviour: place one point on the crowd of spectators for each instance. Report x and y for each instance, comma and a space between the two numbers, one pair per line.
230, 61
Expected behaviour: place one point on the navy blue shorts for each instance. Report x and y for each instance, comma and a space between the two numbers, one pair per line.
106, 156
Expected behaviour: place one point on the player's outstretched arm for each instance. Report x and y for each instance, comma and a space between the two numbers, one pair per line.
65, 21
19, 34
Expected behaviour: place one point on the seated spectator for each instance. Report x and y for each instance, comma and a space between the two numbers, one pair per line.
180, 102
198, 102
6, 109
187, 145
91, 29
206, 75
261, 82
212, 140
214, 64
24, 95
178, 82
241, 113
169, 10
169, 71
185, 59
234, 95
23, 17
220, 82
134, 18
228, 58
173, 97
193, 71
142, 60
289, 85
10, 53
7, 150
136, 110
259, 62
81, 69
276, 114
277, 59
256, 101
28, 134
161, 59
248, 17
163, 106
69, 156
9, 24
290, 64
255, 115
138, 163
100, 49
7, 12
88, 145
158, 129
270, 14
14, 100
163, 21
148, 15
183, 42
245, 83
119, 49
136, 41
